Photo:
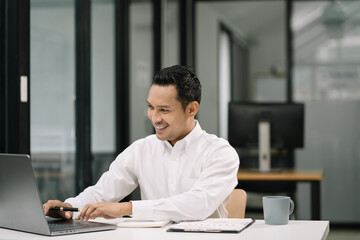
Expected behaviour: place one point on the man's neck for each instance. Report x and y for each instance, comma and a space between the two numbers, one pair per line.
192, 126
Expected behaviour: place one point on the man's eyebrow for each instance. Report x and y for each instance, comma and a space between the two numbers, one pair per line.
159, 106
163, 106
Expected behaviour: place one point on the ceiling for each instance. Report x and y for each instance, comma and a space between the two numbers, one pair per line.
251, 17
256, 17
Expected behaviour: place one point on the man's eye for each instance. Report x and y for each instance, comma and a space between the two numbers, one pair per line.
164, 110
151, 107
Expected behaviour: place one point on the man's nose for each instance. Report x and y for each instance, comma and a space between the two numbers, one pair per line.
156, 117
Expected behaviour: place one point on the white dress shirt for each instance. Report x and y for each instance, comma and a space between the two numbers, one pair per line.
190, 181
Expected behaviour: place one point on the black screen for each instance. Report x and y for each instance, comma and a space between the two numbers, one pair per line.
286, 124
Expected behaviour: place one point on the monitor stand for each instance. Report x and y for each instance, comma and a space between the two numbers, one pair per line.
264, 149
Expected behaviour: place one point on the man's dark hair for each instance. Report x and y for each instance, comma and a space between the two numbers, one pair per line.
185, 81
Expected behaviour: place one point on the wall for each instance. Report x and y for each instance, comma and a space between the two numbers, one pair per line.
206, 45
266, 49
332, 143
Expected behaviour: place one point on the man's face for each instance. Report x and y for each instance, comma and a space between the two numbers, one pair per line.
167, 114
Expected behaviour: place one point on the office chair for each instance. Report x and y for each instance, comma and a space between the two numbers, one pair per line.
237, 204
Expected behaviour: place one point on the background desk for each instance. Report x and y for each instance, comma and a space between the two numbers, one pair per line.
314, 176
295, 230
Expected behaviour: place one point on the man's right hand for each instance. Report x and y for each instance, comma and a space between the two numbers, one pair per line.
54, 213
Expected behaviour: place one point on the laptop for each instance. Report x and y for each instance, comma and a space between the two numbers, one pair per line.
21, 207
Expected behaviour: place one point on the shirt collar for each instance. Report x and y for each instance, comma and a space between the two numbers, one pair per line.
185, 143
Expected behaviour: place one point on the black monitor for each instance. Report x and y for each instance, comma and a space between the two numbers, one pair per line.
281, 125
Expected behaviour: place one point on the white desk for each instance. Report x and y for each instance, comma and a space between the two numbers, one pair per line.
295, 230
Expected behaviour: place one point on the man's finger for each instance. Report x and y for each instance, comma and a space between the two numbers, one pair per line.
67, 215
95, 214
92, 208
83, 214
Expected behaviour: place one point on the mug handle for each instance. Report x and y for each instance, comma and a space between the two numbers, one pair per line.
292, 206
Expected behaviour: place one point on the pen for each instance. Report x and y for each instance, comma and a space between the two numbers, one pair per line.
65, 209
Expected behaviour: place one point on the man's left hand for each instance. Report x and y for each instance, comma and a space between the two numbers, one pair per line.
105, 210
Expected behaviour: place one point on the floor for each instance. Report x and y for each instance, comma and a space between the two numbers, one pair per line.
344, 234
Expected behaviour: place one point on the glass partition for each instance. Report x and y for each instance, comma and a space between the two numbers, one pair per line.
171, 47
326, 77
52, 96
141, 66
102, 85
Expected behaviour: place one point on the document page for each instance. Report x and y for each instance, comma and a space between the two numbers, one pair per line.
133, 223
213, 225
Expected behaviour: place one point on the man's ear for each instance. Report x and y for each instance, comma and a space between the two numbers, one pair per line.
192, 108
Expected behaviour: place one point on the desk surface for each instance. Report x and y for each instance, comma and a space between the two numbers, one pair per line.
283, 175
295, 230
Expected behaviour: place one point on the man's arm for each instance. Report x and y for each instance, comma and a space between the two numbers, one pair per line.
214, 185
114, 185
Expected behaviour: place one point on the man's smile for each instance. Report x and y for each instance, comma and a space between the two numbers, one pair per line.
160, 126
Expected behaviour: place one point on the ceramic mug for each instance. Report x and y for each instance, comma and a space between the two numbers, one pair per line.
277, 209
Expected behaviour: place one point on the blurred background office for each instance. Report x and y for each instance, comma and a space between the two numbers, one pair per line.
74, 77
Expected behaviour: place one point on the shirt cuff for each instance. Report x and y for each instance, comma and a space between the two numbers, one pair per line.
142, 209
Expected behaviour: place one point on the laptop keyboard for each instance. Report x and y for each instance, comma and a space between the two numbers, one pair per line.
63, 226
71, 226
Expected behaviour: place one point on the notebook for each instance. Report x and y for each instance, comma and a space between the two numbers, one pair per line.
216, 225
20, 205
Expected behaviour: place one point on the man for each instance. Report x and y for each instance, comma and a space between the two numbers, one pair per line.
183, 172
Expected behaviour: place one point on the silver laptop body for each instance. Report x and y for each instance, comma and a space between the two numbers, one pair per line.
20, 203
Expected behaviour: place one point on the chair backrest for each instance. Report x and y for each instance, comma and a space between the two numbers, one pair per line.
237, 204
